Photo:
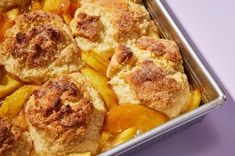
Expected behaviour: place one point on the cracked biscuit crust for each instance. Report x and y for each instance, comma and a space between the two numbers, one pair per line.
108, 23
161, 47
153, 76
7, 137
88, 27
53, 113
39, 46
13, 141
65, 115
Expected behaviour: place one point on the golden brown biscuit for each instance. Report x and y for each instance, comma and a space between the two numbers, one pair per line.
65, 116
13, 141
150, 72
99, 25
39, 46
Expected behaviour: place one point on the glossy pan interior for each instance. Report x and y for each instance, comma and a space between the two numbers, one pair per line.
212, 95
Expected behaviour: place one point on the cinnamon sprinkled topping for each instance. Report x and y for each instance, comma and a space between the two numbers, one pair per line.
150, 44
166, 48
53, 113
152, 84
88, 27
7, 136
37, 47
124, 54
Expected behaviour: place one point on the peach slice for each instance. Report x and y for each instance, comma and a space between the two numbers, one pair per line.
107, 140
129, 115
5, 24
194, 101
36, 5
13, 103
58, 7
8, 85
100, 83
95, 61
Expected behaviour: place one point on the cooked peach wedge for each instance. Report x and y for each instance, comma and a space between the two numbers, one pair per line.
67, 18
100, 83
153, 31
71, 11
5, 24
13, 103
129, 115
107, 141
80, 154
194, 101
63, 8
58, 7
13, 13
71, 154
74, 4
8, 85
36, 5
124, 136
95, 61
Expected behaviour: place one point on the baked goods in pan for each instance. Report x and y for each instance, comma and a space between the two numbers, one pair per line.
79, 77
13, 140
65, 116
100, 25
150, 72
39, 46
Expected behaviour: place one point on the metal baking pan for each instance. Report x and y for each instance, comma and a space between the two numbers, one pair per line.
198, 74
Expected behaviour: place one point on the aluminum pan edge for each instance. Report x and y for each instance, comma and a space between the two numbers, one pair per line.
187, 42
168, 126
184, 118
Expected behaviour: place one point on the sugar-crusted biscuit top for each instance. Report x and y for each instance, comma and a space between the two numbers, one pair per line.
39, 46
156, 88
65, 115
149, 71
100, 25
7, 137
13, 141
61, 108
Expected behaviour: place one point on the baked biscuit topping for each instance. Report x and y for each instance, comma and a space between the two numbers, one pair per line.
38, 47
155, 78
88, 27
124, 54
33, 18
126, 23
61, 108
7, 137
107, 23
129, 20
65, 115
152, 84
160, 47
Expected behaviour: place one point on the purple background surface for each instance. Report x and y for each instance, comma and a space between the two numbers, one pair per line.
211, 25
